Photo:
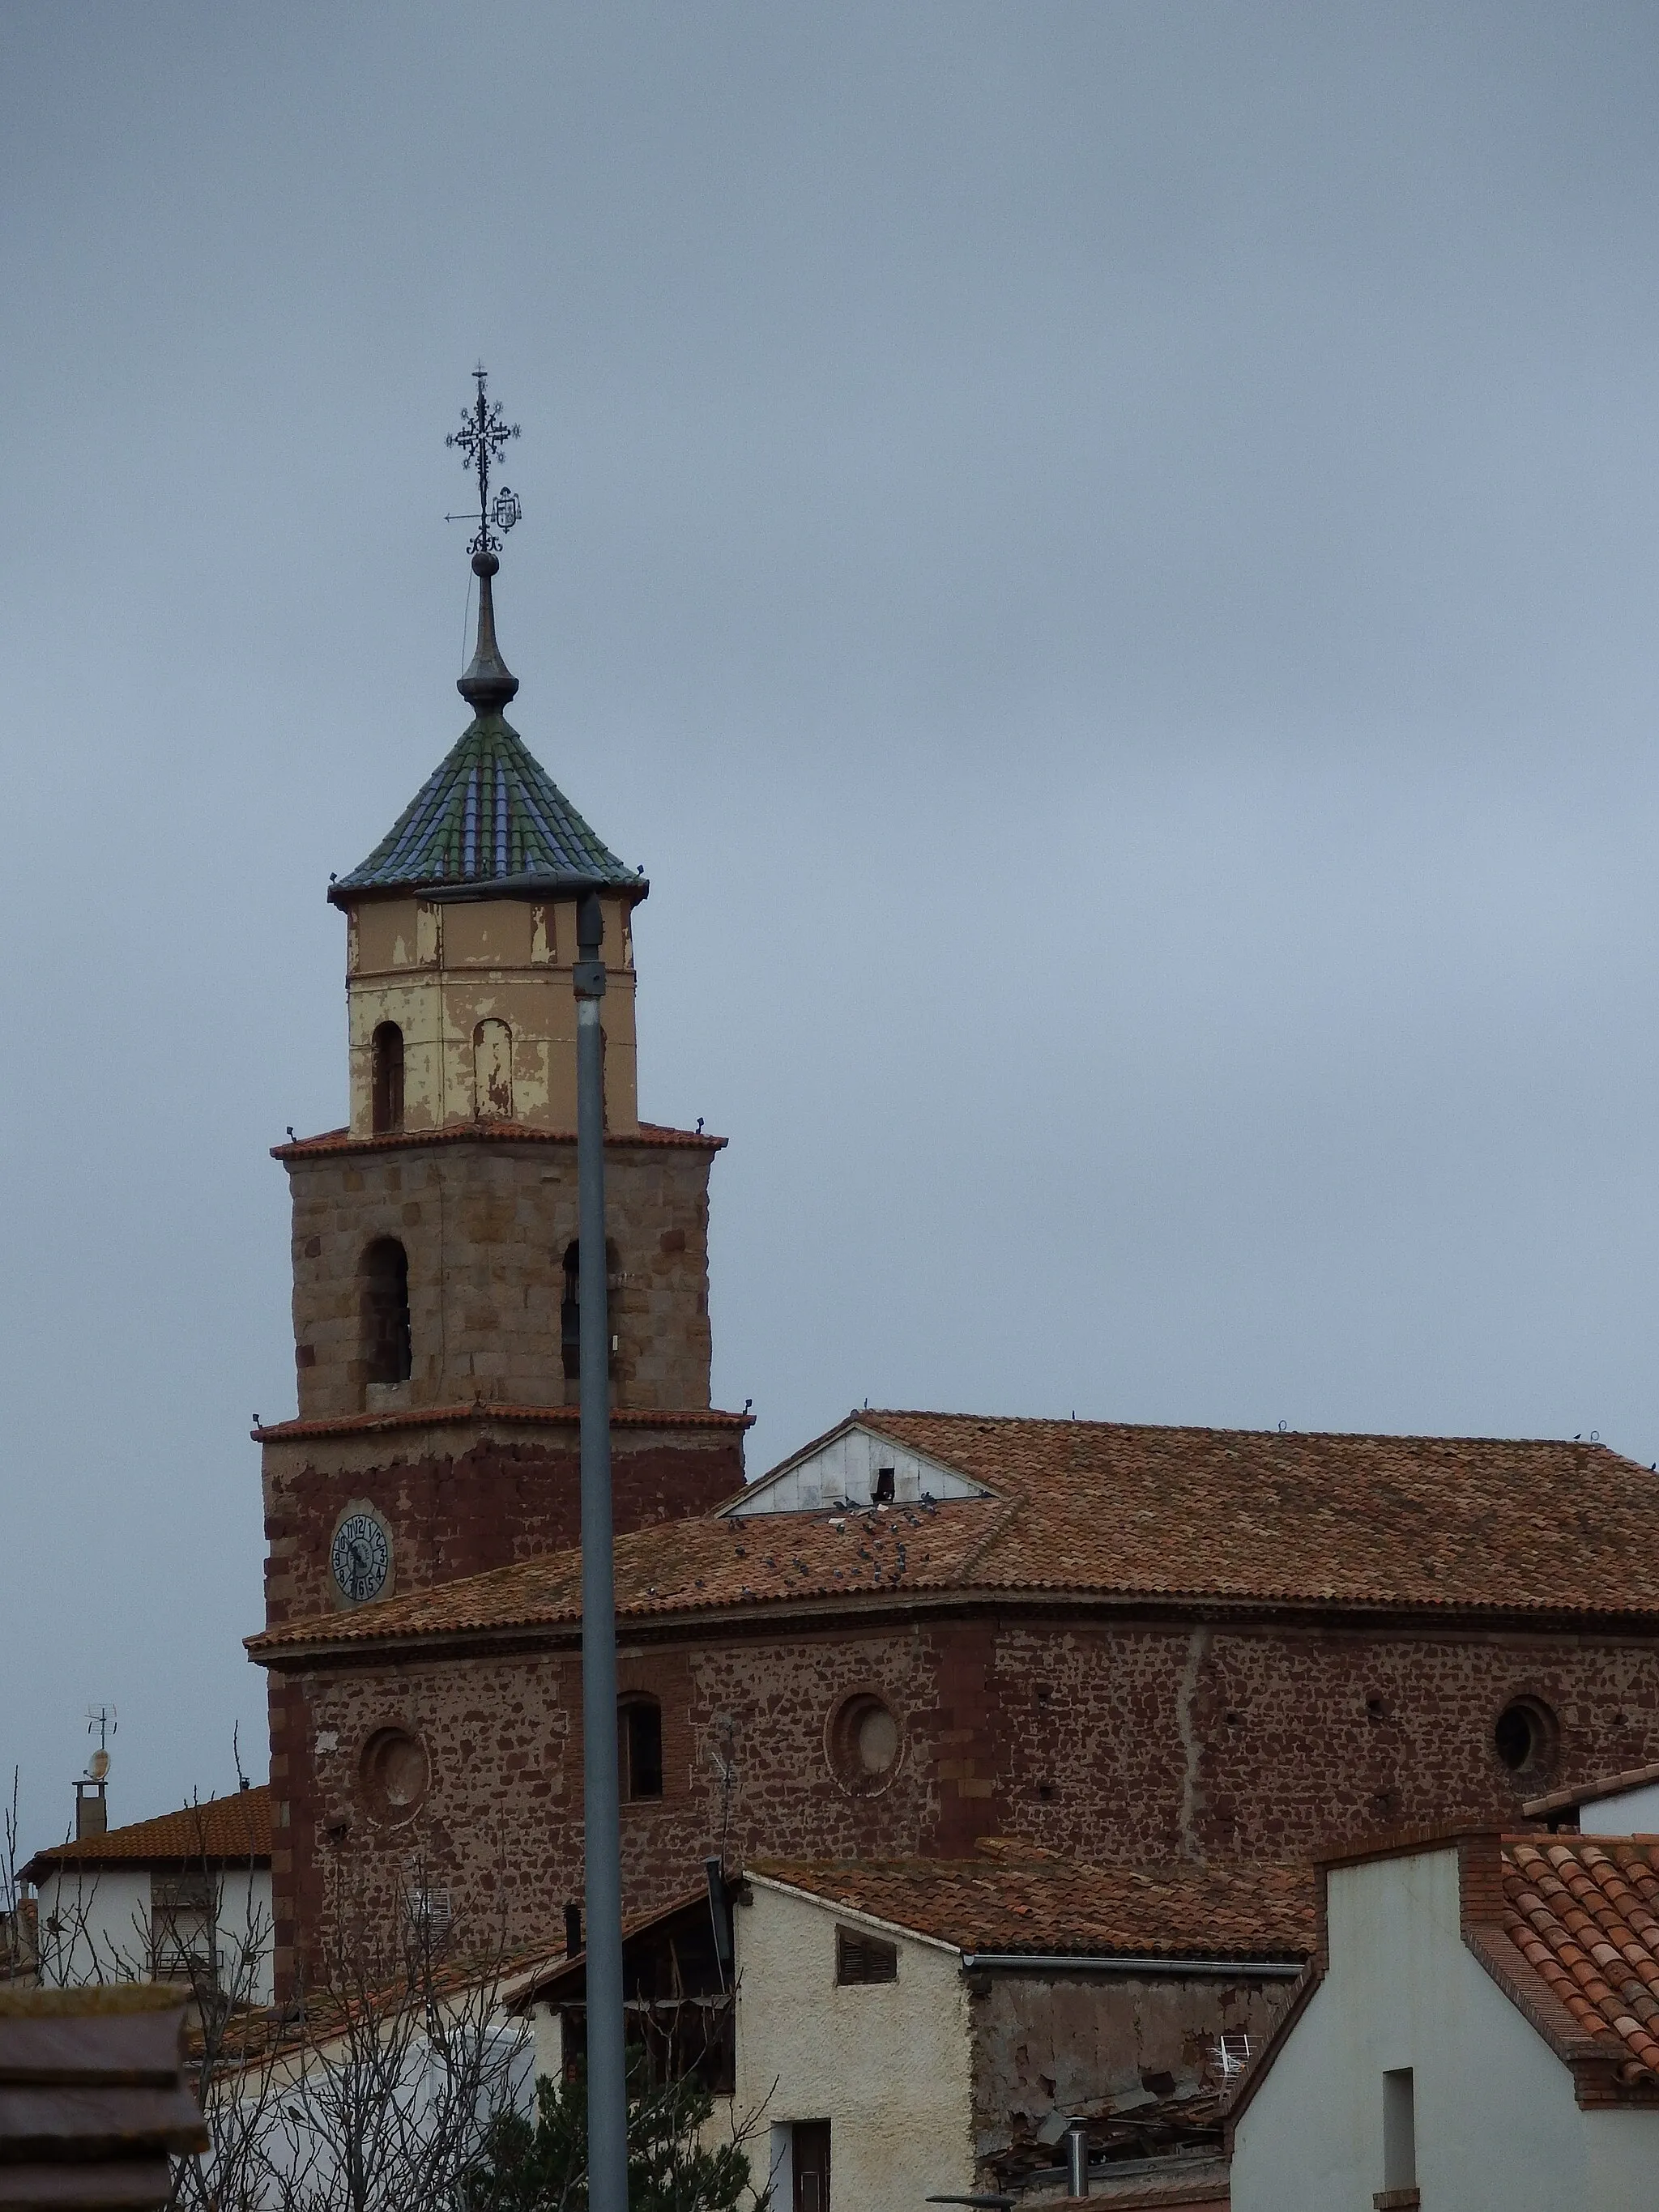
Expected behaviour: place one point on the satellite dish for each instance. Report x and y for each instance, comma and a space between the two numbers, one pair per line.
98, 1765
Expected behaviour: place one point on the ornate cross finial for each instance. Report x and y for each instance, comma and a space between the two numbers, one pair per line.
480, 440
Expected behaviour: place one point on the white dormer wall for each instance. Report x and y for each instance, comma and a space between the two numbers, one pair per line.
1630, 1813
844, 1467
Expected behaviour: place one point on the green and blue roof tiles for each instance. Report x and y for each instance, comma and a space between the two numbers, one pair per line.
489, 810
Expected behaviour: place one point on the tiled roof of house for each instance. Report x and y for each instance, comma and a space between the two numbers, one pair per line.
489, 810
1583, 1912
224, 1829
1047, 1906
1109, 1510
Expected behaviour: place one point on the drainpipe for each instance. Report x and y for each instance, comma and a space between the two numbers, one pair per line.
607, 2078
1077, 2158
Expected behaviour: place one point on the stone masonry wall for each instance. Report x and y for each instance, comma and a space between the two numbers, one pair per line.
486, 1224
1151, 1741
463, 1498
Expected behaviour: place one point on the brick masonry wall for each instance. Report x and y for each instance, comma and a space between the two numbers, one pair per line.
486, 1226
1150, 1741
470, 1496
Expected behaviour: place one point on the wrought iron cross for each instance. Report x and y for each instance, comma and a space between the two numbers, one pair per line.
480, 440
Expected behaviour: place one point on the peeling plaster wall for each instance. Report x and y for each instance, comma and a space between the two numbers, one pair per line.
439, 969
886, 2064
1088, 2045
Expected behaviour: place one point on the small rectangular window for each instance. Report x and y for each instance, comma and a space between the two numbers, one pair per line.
860, 1959
641, 1750
885, 1483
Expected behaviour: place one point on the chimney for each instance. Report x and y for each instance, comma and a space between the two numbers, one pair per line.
91, 1810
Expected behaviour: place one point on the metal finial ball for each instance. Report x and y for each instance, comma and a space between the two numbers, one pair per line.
485, 564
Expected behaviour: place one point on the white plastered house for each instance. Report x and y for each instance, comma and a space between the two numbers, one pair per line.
886, 2033
1478, 2031
183, 1898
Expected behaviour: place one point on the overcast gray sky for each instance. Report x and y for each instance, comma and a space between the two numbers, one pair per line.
1105, 557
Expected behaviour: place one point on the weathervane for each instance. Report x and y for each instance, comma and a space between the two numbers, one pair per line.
480, 440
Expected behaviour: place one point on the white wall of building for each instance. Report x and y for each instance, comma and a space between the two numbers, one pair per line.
1631, 1813
95, 1924
1497, 2129
887, 2064
844, 1469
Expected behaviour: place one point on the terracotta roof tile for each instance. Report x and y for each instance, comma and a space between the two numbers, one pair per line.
1103, 1509
1038, 1906
483, 1409
224, 1828
1583, 1912
1589, 1793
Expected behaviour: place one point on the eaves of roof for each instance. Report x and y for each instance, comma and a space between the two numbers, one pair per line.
650, 1136
482, 1409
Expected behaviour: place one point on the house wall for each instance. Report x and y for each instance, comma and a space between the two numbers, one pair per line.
1631, 1813
1141, 1741
1497, 2129
104, 1920
94, 1926
886, 2064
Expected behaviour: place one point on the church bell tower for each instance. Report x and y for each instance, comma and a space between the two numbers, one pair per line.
435, 1245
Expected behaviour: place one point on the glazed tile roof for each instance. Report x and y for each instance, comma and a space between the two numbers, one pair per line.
224, 1828
1583, 1912
1107, 1510
489, 810
1042, 1906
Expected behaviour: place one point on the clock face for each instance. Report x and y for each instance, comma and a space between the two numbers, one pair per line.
361, 1558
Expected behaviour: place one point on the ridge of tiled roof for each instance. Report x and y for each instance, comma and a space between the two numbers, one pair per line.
1264, 1912
223, 1828
1583, 1912
1129, 1513
489, 810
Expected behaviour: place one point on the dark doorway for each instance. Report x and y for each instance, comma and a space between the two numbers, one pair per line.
388, 1052
386, 1347
809, 2150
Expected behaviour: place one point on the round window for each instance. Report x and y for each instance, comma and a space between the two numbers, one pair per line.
1525, 1736
397, 1774
864, 1743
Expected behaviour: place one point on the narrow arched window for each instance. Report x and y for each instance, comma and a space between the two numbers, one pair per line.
492, 1072
570, 1308
639, 1749
388, 1078
385, 1339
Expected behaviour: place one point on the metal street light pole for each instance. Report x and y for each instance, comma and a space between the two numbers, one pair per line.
607, 2078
